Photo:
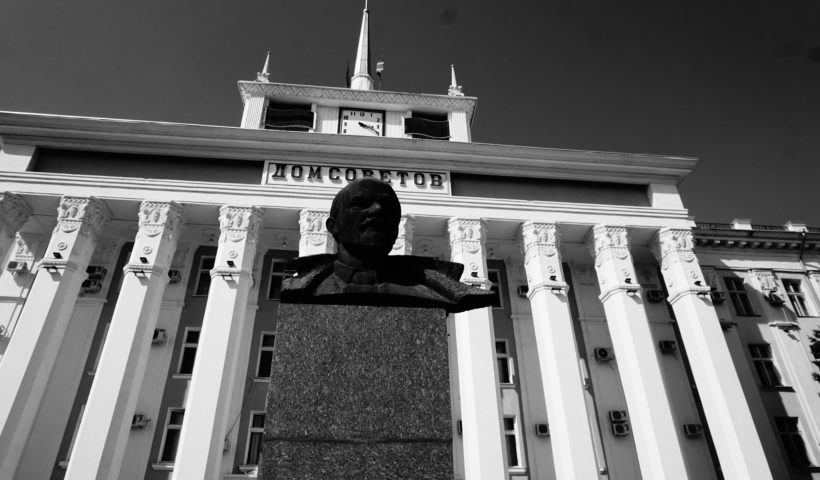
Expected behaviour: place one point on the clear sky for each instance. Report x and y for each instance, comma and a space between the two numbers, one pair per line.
734, 83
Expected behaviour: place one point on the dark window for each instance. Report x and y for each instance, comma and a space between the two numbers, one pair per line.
511, 438
203, 277
265, 355
278, 271
427, 125
764, 364
255, 432
739, 297
790, 435
188, 355
494, 276
293, 118
504, 360
172, 431
796, 297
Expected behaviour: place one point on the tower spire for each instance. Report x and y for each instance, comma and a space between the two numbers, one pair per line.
361, 79
455, 89
264, 76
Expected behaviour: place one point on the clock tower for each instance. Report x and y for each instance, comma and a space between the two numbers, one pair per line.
359, 110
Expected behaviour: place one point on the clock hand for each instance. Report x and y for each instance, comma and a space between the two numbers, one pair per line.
369, 127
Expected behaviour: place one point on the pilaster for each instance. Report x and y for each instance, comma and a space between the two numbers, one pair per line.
814, 281
254, 111
570, 429
208, 409
105, 426
730, 420
475, 345
29, 361
656, 438
315, 238
14, 213
404, 242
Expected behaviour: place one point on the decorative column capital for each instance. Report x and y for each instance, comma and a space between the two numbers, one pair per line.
314, 237
166, 218
677, 242
404, 242
467, 236
609, 244
240, 223
14, 213
160, 224
542, 259
607, 241
89, 215
674, 250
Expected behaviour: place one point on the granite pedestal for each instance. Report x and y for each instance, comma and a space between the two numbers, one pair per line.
359, 392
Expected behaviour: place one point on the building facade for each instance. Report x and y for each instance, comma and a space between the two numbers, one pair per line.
142, 263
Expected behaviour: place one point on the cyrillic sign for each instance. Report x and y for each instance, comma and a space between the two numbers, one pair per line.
338, 176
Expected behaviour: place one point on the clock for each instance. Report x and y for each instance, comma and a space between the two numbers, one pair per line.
361, 122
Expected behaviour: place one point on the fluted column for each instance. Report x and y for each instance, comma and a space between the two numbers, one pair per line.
14, 213
558, 357
404, 242
656, 438
475, 348
103, 434
315, 238
41, 328
208, 409
724, 404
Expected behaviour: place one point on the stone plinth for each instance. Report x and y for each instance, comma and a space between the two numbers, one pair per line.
358, 392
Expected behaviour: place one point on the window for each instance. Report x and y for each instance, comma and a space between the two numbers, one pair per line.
278, 271
494, 277
427, 125
739, 297
796, 297
505, 362
289, 117
170, 441
203, 276
255, 431
789, 430
764, 364
511, 439
188, 352
265, 355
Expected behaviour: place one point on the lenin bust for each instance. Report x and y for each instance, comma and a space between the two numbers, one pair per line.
364, 221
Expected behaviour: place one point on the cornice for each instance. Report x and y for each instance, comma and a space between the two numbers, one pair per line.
768, 239
160, 138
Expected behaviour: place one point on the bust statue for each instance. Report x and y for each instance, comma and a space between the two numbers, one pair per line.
364, 221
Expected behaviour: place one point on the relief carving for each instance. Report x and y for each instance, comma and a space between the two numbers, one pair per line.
14, 213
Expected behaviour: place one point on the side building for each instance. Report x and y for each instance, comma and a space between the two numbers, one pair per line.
142, 264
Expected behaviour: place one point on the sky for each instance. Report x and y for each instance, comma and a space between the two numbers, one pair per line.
733, 83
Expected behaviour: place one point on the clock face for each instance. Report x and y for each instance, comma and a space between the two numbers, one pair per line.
361, 122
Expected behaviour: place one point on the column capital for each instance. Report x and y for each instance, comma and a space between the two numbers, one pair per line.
467, 237
88, 215
674, 247
238, 223
404, 242
160, 224
314, 237
542, 259
14, 213
609, 245
166, 218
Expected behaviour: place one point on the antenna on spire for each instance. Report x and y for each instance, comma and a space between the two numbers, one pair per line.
455, 88
361, 79
264, 76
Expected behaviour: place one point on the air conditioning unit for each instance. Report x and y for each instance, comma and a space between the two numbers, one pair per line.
17, 267
776, 298
655, 295
603, 354
458, 427
90, 286
139, 421
718, 297
693, 429
523, 290
621, 429
96, 271
618, 416
542, 429
160, 336
667, 346
174, 276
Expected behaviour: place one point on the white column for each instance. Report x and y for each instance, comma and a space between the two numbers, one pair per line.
208, 411
558, 357
656, 437
315, 238
459, 127
254, 111
724, 404
404, 242
30, 358
14, 213
477, 374
100, 444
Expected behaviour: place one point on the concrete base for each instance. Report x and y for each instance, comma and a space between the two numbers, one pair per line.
359, 392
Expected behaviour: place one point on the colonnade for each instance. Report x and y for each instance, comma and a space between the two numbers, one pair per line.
29, 361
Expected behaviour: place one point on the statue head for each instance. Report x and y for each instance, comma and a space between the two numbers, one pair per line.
364, 219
